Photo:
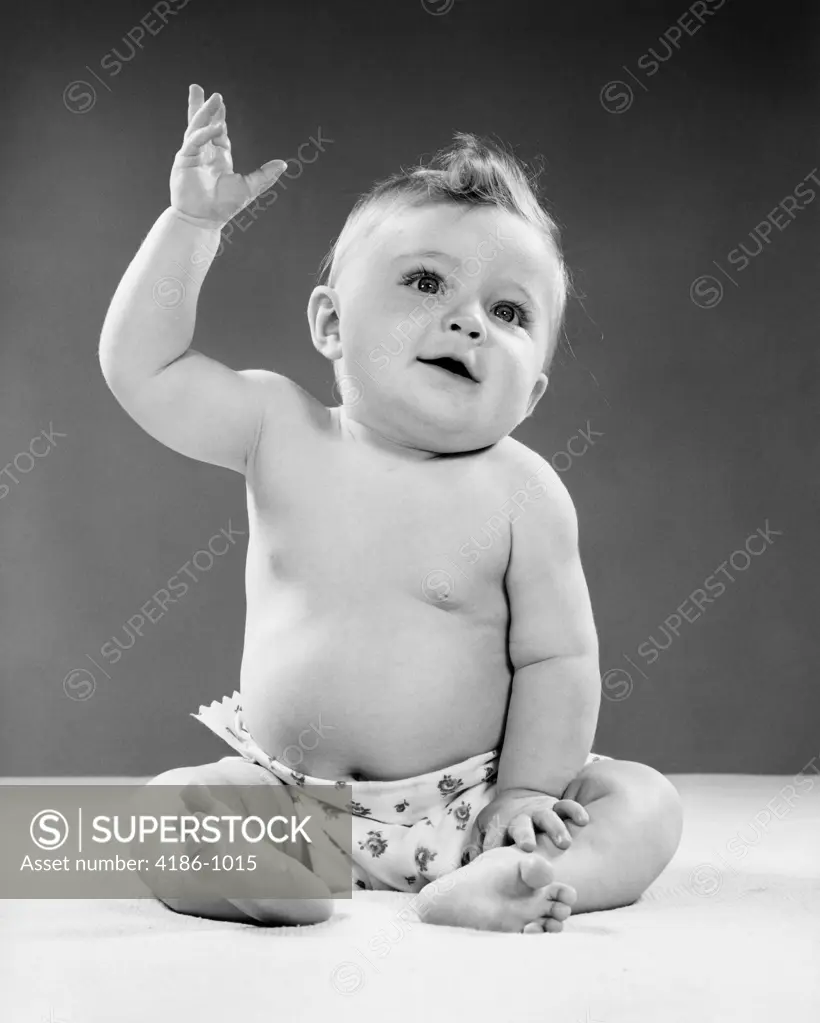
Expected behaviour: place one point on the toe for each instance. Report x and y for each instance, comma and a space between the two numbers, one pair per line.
563, 893
559, 911
536, 871
552, 926
534, 928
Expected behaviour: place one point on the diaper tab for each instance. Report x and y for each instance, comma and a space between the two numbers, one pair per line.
224, 718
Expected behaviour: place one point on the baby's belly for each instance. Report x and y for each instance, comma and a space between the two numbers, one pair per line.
382, 693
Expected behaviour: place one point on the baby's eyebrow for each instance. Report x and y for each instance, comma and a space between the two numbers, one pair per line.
510, 283
424, 255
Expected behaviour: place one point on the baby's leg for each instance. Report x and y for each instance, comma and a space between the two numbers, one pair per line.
635, 825
192, 892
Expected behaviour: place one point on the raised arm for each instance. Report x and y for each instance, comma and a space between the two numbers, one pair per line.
188, 401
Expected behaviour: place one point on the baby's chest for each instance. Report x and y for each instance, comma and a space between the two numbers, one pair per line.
438, 536
426, 535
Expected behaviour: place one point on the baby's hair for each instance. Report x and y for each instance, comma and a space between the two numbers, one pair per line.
471, 171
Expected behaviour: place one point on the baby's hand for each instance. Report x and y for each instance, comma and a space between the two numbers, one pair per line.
203, 184
519, 813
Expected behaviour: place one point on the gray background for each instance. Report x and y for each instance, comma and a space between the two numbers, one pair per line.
708, 415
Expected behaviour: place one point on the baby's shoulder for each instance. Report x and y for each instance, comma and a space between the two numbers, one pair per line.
293, 427
521, 463
289, 411
525, 470
289, 400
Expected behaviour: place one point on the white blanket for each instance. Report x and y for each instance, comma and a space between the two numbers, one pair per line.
729, 932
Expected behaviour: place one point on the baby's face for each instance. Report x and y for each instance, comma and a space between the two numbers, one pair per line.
472, 284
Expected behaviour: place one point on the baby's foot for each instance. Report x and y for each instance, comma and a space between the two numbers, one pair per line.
501, 890
314, 905
293, 893
289, 876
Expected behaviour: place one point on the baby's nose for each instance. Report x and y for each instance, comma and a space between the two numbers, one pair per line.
472, 330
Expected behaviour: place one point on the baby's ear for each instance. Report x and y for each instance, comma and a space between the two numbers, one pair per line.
537, 393
323, 318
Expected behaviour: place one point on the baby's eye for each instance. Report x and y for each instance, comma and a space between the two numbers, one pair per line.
424, 275
517, 310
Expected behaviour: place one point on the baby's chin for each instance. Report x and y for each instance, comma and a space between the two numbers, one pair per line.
453, 446
407, 421
454, 431
445, 434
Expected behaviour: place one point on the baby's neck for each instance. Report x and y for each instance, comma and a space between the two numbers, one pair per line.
359, 433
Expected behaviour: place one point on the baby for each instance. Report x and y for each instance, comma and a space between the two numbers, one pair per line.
418, 622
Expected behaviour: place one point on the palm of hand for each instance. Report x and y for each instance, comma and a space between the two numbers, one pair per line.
203, 182
207, 182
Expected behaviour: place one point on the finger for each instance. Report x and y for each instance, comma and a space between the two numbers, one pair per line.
568, 808
222, 139
192, 145
209, 110
260, 180
494, 835
196, 103
522, 831
196, 97
552, 825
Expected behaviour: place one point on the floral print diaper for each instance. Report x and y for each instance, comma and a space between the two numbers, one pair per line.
406, 833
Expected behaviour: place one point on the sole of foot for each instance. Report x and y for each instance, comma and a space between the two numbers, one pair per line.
293, 893
502, 890
311, 903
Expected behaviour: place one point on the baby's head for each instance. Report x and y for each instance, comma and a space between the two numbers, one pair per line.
456, 261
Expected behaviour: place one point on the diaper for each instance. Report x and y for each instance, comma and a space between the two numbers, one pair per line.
406, 833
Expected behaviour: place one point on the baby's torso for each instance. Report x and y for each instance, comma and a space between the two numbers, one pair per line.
377, 618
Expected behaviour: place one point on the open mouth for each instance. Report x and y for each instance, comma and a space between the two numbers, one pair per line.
451, 365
